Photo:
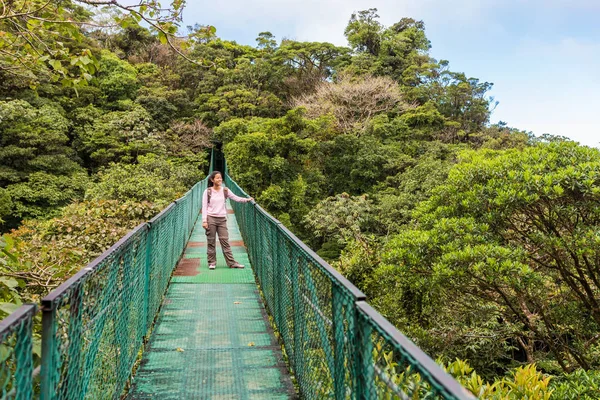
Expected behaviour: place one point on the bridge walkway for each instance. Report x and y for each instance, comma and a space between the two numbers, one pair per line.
213, 339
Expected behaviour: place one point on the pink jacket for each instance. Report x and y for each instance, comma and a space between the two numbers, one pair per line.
217, 207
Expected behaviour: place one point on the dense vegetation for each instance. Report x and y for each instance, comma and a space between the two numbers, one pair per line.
479, 241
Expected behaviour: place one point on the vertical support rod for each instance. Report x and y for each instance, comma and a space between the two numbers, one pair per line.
338, 342
298, 320
48, 343
364, 366
147, 273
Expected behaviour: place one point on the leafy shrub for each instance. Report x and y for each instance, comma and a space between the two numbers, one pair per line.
45, 253
524, 382
154, 179
42, 195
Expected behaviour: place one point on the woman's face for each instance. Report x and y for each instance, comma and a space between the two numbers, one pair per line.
218, 179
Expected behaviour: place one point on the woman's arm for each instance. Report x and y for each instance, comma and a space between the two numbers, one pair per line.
238, 199
205, 206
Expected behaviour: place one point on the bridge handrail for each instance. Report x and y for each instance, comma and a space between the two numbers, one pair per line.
337, 345
92, 327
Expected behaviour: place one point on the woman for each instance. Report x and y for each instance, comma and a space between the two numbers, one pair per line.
214, 219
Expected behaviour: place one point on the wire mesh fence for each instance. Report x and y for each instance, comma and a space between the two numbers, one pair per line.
94, 324
16, 354
337, 346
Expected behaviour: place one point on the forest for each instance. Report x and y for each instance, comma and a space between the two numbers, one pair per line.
479, 241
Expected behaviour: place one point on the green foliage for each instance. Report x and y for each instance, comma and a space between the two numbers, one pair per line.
578, 385
42, 195
153, 179
503, 240
10, 299
117, 136
356, 164
460, 99
523, 383
45, 40
40, 40
403, 52
340, 218
45, 253
269, 152
364, 31
303, 65
6, 205
117, 79
38, 169
33, 140
398, 196
161, 94
236, 101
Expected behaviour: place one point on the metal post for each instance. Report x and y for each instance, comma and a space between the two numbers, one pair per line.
298, 321
338, 342
148, 272
48, 343
364, 364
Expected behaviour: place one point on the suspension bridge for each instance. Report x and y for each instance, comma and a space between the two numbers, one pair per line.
148, 320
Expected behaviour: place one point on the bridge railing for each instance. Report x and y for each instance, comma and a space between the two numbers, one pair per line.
16, 354
95, 323
336, 344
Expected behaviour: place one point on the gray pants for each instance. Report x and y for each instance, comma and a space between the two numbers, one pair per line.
218, 226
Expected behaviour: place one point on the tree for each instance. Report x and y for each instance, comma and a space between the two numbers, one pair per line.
38, 169
117, 136
266, 41
463, 101
404, 52
306, 64
34, 31
510, 239
152, 179
117, 79
353, 101
364, 31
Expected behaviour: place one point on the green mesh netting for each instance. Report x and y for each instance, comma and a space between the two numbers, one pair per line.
337, 346
95, 323
16, 361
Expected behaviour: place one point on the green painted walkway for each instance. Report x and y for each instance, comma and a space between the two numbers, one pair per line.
212, 339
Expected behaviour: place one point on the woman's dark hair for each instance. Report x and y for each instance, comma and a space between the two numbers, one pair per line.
211, 177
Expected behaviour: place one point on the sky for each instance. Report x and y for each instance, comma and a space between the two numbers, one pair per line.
543, 56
